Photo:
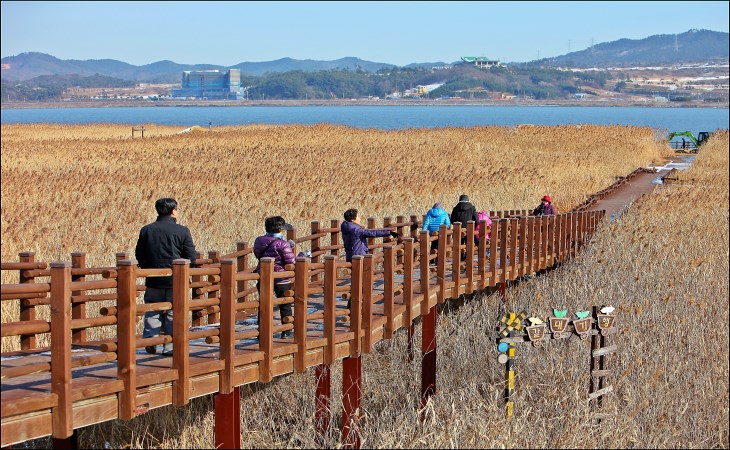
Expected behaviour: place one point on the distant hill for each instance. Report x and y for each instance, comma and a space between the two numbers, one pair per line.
30, 65
694, 46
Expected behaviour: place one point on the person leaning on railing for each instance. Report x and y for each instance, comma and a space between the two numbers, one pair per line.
273, 245
159, 243
355, 237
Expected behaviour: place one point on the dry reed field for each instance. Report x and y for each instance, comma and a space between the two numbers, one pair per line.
663, 264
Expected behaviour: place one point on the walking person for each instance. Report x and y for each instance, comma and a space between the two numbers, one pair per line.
463, 212
545, 208
435, 217
159, 243
273, 245
355, 238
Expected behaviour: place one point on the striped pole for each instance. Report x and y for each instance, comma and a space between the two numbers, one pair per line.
510, 371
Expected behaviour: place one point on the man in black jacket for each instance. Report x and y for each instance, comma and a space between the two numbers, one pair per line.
159, 243
463, 212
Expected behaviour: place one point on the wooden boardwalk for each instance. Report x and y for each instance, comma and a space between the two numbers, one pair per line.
231, 335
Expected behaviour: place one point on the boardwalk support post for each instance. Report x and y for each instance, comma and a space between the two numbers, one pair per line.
322, 400
428, 350
351, 397
227, 426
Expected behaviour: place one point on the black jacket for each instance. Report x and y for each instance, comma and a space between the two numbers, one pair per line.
464, 212
159, 243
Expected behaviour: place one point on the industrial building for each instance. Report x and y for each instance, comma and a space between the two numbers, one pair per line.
210, 85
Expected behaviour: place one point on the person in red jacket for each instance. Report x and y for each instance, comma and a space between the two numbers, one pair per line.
273, 245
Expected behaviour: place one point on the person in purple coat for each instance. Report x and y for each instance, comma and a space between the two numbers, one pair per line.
273, 245
545, 208
355, 238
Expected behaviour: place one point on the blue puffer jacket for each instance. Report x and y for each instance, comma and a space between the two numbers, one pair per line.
434, 219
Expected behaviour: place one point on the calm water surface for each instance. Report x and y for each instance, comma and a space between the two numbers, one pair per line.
383, 117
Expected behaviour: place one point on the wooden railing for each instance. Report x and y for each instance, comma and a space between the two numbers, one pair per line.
218, 344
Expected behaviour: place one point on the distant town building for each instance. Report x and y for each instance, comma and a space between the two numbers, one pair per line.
210, 85
481, 61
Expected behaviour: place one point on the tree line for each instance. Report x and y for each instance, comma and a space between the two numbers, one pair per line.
457, 81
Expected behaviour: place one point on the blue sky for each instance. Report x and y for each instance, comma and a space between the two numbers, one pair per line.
228, 33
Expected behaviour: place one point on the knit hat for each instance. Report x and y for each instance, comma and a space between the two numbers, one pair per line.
547, 199
463, 198
438, 205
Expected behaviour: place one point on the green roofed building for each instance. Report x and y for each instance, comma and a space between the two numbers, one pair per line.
481, 61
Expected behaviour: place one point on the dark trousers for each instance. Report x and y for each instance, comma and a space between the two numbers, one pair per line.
286, 309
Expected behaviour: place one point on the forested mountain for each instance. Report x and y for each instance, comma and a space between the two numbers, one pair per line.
36, 76
692, 47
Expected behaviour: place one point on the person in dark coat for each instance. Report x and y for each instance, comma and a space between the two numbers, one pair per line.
463, 212
545, 208
355, 238
273, 245
159, 243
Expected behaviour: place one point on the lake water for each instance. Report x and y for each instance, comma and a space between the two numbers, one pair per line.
383, 117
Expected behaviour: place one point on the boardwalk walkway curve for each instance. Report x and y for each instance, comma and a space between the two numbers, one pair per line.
231, 336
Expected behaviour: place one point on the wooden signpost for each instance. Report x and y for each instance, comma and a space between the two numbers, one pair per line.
597, 324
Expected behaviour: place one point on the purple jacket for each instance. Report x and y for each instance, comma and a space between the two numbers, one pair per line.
273, 247
545, 210
355, 238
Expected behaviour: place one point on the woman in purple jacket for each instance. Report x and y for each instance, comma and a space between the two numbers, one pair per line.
273, 245
355, 236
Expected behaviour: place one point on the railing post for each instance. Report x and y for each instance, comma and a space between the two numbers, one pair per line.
227, 402
266, 318
504, 236
494, 245
441, 263
180, 331
78, 310
469, 266
197, 320
301, 299
367, 303
513, 225
215, 317
522, 255
127, 336
408, 292
425, 253
356, 296
27, 313
315, 245
371, 241
227, 331
388, 290
62, 413
330, 307
455, 259
335, 236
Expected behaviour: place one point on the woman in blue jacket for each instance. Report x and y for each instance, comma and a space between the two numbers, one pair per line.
435, 217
